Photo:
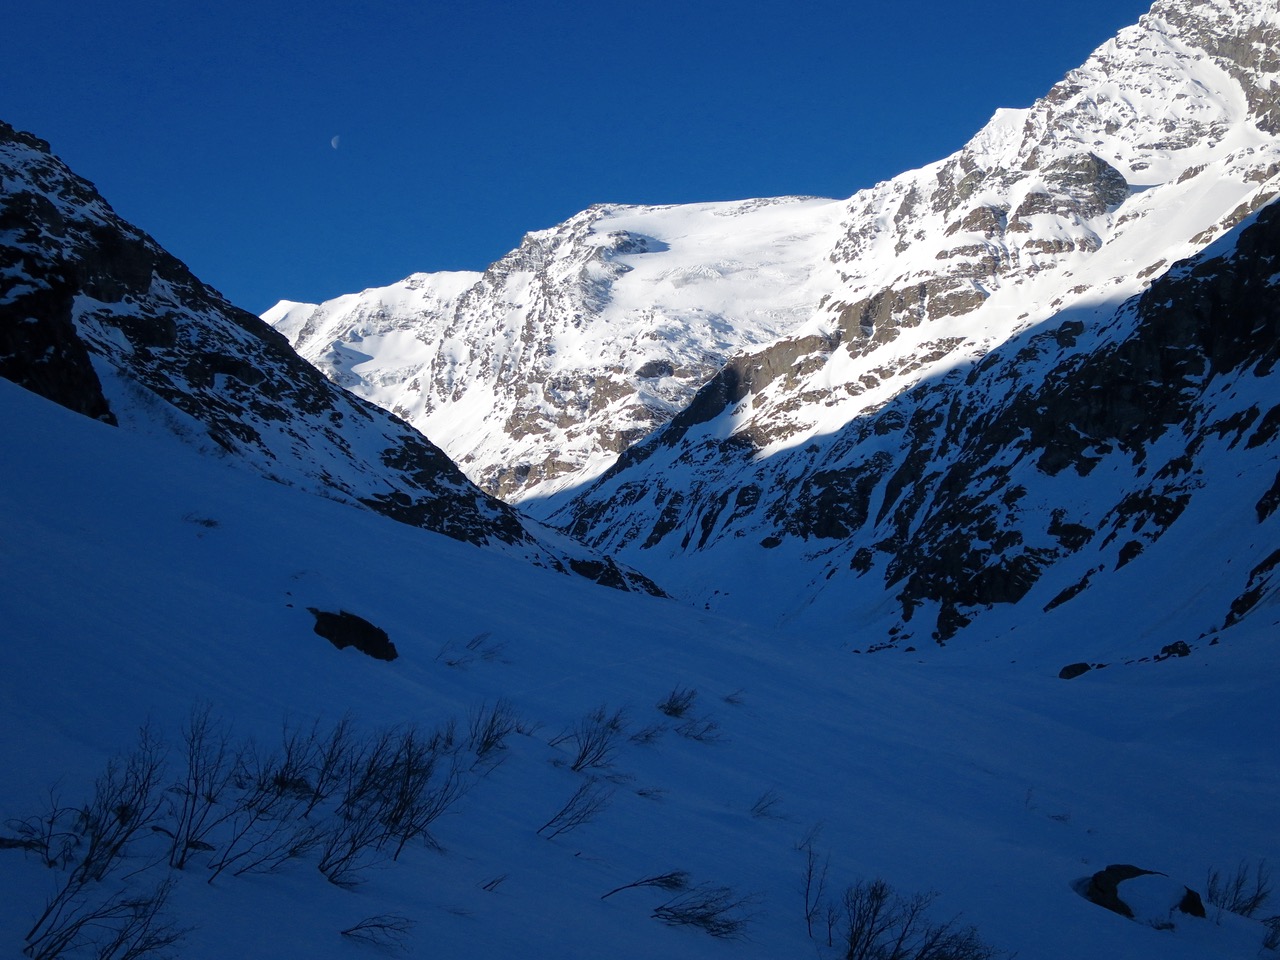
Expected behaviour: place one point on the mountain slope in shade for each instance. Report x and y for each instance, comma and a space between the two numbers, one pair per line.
162, 581
96, 316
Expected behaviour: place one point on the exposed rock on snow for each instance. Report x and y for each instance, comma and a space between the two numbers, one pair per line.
344, 629
1155, 897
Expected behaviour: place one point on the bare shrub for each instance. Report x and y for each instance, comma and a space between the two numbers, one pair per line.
650, 734
267, 826
1245, 891
583, 806
322, 762
93, 904
876, 923
735, 698
488, 730
717, 910
671, 880
481, 647
1271, 941
831, 917
594, 738
126, 803
119, 924
426, 781
50, 834
678, 702
766, 806
141, 928
383, 930
393, 786
210, 768
353, 837
814, 883
702, 729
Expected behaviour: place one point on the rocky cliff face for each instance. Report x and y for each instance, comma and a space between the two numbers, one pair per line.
1027, 372
97, 317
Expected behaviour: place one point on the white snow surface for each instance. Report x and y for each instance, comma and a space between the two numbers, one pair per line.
142, 579
534, 365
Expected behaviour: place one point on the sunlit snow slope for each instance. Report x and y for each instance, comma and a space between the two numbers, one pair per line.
536, 373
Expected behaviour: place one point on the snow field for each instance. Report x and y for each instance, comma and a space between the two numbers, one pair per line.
158, 580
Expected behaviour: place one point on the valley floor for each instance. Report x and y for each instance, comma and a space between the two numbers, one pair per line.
141, 581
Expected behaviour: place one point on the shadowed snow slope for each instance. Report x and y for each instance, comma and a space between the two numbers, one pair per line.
95, 315
159, 580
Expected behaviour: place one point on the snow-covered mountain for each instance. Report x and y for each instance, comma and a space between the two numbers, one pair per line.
1047, 353
535, 374
1114, 447
96, 316
1059, 449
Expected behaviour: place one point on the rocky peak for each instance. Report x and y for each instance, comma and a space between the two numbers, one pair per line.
1000, 325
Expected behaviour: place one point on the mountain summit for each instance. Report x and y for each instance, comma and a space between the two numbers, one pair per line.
537, 373
1044, 354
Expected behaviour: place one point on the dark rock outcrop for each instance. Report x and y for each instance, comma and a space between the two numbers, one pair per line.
1104, 886
1192, 904
344, 630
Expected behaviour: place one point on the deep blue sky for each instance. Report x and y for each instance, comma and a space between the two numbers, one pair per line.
463, 125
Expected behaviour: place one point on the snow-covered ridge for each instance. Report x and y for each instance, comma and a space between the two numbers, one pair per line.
536, 374
1136, 160
928, 449
96, 316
